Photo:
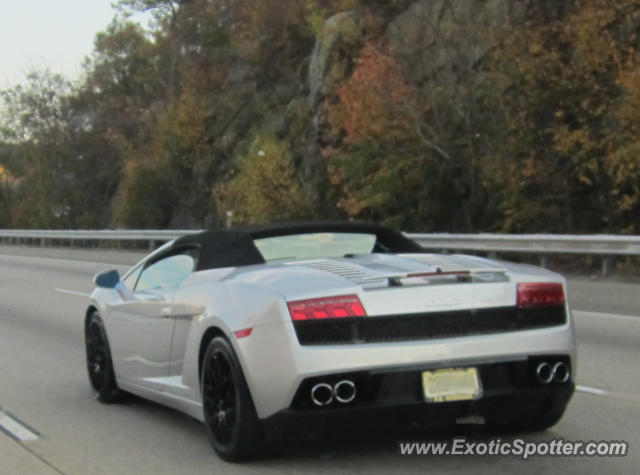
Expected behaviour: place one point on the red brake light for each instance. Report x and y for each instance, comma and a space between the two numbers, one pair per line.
540, 294
328, 307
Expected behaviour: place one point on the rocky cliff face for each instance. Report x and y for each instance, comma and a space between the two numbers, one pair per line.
437, 35
434, 39
439, 43
338, 29
428, 36
340, 32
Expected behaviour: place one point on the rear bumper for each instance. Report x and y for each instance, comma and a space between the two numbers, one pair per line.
500, 403
275, 364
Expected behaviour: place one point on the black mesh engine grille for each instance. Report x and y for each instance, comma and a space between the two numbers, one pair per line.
423, 326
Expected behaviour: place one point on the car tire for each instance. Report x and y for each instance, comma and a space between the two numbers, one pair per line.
232, 424
99, 363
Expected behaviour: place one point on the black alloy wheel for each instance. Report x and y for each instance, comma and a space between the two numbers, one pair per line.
99, 364
221, 398
230, 417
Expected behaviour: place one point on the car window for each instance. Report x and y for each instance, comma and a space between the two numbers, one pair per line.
315, 245
167, 273
130, 280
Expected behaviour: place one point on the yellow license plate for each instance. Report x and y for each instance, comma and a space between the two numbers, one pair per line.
451, 384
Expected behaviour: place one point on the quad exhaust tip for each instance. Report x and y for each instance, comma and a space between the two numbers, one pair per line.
544, 372
345, 391
558, 372
323, 394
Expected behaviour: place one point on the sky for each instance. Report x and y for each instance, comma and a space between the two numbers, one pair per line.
54, 34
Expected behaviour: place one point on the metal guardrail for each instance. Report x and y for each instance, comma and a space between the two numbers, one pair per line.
605, 246
543, 245
598, 244
99, 234
52, 237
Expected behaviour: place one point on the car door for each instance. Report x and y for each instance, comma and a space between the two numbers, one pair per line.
141, 326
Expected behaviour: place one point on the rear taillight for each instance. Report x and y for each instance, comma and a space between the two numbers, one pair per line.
329, 307
540, 294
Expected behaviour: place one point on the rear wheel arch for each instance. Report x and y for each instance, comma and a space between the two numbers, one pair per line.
209, 335
231, 422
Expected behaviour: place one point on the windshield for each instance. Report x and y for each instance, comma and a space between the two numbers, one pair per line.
315, 245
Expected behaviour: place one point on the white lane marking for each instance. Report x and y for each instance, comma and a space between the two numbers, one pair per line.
592, 390
72, 292
613, 316
15, 429
634, 397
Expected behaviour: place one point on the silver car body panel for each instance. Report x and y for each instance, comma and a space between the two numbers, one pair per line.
156, 336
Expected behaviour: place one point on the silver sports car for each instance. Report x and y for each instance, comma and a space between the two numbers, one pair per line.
281, 330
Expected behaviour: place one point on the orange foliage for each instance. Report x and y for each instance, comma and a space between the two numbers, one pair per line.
372, 99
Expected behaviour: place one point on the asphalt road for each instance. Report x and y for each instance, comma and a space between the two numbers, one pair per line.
43, 384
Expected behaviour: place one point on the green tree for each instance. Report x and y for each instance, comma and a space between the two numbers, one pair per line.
36, 119
265, 187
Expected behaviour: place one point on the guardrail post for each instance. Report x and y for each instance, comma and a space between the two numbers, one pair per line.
608, 262
544, 261
229, 221
152, 244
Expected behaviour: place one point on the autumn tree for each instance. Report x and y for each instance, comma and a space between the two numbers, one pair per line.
416, 105
265, 186
7, 189
622, 162
566, 85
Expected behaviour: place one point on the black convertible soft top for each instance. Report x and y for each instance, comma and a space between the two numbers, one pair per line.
235, 247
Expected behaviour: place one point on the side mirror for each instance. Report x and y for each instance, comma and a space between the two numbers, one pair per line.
108, 279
